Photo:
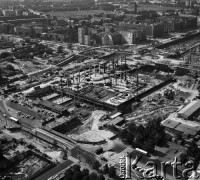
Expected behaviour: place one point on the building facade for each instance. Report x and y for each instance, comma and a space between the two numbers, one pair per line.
8, 12
133, 36
84, 35
106, 39
87, 40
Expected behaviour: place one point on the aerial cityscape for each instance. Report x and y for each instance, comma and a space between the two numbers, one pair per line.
99, 89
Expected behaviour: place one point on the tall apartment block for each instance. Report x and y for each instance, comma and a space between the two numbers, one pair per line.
84, 36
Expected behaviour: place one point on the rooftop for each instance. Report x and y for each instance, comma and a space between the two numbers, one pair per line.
190, 108
55, 171
178, 126
116, 121
170, 123
187, 129
53, 106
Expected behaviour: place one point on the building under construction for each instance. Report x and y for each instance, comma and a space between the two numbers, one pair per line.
51, 106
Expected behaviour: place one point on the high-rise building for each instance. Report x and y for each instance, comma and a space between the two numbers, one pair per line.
19, 12
107, 39
87, 40
135, 7
82, 31
187, 3
5, 28
111, 39
132, 35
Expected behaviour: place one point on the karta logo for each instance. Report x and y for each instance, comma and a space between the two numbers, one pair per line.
129, 169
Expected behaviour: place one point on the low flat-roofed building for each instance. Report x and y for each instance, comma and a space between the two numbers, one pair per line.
115, 114
178, 127
186, 129
51, 96
117, 121
56, 172
52, 106
62, 100
168, 123
189, 110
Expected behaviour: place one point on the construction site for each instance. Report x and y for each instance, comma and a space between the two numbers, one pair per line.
67, 104
80, 104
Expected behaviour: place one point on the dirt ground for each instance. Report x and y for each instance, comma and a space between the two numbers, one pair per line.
193, 92
28, 66
90, 132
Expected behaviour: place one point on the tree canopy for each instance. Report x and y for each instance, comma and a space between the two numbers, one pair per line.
75, 173
60, 49
144, 137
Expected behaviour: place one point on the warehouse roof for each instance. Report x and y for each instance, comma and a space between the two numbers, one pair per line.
183, 128
115, 114
50, 96
191, 130
170, 123
52, 106
190, 108
116, 121
53, 172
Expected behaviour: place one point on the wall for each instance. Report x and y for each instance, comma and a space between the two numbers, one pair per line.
128, 36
